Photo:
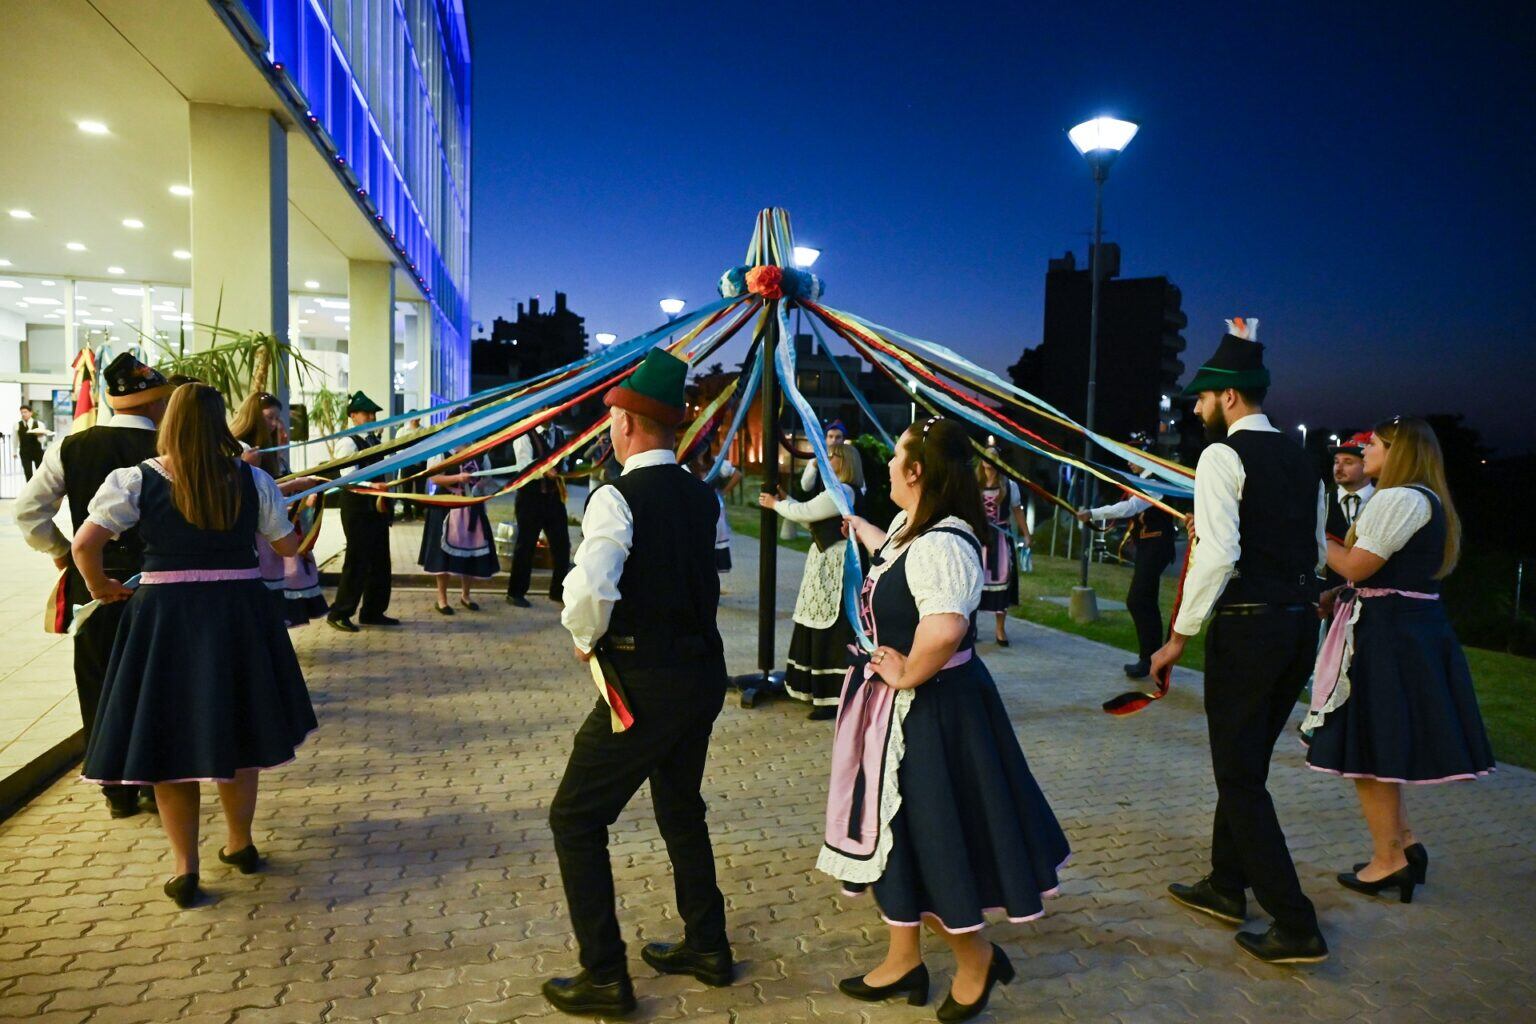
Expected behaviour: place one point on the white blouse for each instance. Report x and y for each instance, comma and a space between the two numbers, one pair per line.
943, 571
1390, 519
820, 599
116, 505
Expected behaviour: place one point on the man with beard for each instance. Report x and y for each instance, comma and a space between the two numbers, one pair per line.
1259, 515
1353, 490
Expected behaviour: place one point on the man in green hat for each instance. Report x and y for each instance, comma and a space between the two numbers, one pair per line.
365, 519
1259, 515
641, 598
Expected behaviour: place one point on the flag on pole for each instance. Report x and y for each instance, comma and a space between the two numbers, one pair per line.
84, 390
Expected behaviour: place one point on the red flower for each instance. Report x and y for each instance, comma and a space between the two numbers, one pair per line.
766, 281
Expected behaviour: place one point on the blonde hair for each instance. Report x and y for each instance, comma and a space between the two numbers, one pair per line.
982, 465
1414, 457
205, 486
250, 426
842, 462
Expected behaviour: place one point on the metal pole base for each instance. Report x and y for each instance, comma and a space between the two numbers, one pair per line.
1083, 605
756, 686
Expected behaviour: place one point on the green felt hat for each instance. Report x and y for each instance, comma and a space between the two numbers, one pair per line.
655, 389
360, 402
1238, 363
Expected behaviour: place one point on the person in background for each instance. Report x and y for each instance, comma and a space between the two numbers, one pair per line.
416, 482
29, 442
818, 647
540, 509
74, 469
837, 436
1353, 487
1005, 511
456, 540
724, 483
365, 518
1393, 701
203, 683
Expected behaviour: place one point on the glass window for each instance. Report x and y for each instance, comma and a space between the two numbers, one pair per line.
32, 325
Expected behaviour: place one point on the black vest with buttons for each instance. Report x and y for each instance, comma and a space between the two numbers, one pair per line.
355, 504
1277, 522
663, 625
88, 458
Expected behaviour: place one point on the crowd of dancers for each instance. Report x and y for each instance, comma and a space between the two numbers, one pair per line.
187, 566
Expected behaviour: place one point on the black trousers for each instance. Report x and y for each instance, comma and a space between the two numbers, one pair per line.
29, 463
667, 745
1255, 667
538, 512
365, 569
93, 649
1142, 599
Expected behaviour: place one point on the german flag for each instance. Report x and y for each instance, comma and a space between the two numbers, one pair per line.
84, 390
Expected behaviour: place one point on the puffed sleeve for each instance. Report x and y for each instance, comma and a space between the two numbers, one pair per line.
115, 507
1389, 519
272, 512
944, 574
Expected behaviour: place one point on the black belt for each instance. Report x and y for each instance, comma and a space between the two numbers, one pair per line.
1261, 609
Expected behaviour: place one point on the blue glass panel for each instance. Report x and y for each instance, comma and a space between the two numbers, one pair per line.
317, 48
337, 108
359, 154
258, 9
285, 37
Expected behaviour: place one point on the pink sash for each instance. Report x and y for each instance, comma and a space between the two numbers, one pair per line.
1330, 675
198, 575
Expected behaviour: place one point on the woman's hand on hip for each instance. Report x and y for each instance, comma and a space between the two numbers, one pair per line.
889, 664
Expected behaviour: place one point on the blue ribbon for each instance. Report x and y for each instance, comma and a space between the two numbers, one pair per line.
858, 396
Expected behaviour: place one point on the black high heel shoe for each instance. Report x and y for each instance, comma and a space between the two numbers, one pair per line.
1000, 970
914, 984
1418, 859
1402, 880
184, 891
247, 859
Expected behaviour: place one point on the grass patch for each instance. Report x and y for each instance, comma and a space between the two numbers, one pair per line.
1505, 685
746, 519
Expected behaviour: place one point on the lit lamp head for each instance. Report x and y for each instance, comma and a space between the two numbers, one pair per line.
605, 338
672, 307
1101, 140
805, 255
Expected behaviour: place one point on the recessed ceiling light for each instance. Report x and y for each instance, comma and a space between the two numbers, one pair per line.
127, 319
181, 190
301, 323
181, 254
5, 263
39, 300
334, 303
23, 305
47, 284
311, 284
10, 284
92, 127
343, 319
127, 291
307, 310
75, 246
132, 222
53, 316
21, 214
116, 270
98, 323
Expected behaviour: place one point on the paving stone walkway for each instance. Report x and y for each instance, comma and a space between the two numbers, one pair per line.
412, 876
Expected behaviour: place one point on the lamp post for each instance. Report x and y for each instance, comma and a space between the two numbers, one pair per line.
912, 387
1303, 428
1099, 140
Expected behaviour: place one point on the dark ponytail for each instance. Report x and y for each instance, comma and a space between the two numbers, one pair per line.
947, 480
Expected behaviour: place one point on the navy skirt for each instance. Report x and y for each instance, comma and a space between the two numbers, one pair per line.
466, 550
202, 682
1412, 714
974, 832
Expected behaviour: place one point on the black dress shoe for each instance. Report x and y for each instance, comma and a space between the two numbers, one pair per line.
183, 889
1204, 897
445, 609
1279, 947
472, 606
823, 712
913, 985
1138, 669
123, 808
518, 601
1402, 880
344, 624
999, 971
380, 620
585, 996
717, 969
1418, 859
247, 859
1002, 641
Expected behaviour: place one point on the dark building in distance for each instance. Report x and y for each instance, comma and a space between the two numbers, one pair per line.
1138, 371
533, 343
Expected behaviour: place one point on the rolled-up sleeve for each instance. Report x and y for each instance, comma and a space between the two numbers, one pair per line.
37, 504
115, 508
1219, 482
592, 586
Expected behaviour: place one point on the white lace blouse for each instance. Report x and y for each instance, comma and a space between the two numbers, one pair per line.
116, 505
943, 571
820, 600
1390, 519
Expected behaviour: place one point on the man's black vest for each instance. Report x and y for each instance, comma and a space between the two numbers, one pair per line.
354, 504
1153, 531
88, 459
663, 624
1277, 521
27, 443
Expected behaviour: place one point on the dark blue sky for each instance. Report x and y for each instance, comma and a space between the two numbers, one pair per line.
1363, 186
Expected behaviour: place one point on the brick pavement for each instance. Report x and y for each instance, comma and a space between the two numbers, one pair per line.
412, 875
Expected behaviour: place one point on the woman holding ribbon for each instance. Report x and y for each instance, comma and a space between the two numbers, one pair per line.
1392, 697
931, 802
1005, 511
818, 647
203, 684
456, 541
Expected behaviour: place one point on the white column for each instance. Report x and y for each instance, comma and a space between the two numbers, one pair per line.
239, 168
371, 331
426, 338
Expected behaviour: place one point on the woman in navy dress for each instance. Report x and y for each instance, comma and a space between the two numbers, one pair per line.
456, 541
203, 684
1392, 701
931, 803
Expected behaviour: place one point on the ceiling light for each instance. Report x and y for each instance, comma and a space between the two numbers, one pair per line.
75, 246
181, 254
301, 323
21, 214
334, 303
343, 319
92, 127
47, 284
132, 222
53, 316
5, 263
181, 190
311, 284
127, 291
98, 323
10, 284
38, 300
127, 319
116, 270
309, 311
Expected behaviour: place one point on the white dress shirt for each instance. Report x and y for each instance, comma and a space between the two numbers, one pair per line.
1219, 478
607, 532
42, 497
1127, 509
1364, 494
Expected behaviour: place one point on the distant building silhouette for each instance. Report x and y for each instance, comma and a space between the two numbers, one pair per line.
1138, 371
529, 345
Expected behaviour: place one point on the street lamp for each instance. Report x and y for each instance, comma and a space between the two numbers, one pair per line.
672, 307
604, 338
1303, 428
1100, 141
912, 386
805, 255
1333, 438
